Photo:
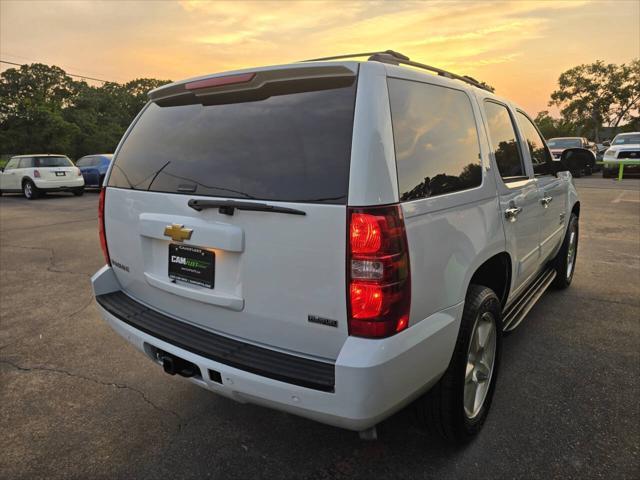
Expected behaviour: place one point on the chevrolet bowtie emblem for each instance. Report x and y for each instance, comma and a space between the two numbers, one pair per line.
177, 232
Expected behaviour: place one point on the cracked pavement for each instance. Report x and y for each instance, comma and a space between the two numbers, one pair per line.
78, 402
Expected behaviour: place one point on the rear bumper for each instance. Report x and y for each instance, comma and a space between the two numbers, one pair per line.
372, 378
63, 185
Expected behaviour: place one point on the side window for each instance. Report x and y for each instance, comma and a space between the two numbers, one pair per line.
11, 164
504, 141
435, 138
26, 163
540, 156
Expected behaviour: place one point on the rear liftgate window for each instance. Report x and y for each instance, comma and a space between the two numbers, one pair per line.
291, 147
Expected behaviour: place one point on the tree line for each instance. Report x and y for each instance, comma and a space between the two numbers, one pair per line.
44, 110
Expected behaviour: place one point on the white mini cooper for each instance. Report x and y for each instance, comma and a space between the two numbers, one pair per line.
34, 175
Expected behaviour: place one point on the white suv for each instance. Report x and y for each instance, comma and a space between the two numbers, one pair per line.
34, 175
334, 239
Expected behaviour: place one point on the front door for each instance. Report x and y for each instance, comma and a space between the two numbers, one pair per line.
9, 178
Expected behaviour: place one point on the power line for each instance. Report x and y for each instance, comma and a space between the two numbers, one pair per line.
64, 67
70, 74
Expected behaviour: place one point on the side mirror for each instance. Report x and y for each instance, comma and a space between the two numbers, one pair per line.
1, 169
606, 143
577, 160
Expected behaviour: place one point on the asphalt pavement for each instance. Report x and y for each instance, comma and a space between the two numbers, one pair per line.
76, 401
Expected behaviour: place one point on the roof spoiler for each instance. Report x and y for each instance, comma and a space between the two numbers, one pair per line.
252, 86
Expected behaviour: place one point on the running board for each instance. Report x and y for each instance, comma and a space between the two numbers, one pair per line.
515, 313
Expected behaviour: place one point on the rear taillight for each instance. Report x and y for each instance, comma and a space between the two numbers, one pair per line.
36, 173
379, 289
102, 232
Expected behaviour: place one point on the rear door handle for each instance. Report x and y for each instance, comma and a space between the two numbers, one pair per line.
545, 201
512, 213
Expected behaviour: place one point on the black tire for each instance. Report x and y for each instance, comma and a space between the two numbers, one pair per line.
29, 190
561, 262
79, 192
442, 408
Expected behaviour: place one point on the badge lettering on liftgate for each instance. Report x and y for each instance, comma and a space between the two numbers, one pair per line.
322, 321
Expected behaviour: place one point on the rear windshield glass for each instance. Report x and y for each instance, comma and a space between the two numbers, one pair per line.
88, 162
52, 162
564, 143
293, 147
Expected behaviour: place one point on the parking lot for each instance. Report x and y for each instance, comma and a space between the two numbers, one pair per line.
78, 402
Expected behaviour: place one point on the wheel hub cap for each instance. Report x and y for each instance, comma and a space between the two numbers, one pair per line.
480, 361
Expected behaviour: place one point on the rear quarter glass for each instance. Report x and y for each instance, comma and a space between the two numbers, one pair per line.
294, 147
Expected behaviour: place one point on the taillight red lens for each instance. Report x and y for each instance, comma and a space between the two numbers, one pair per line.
366, 236
102, 232
379, 289
36, 173
366, 300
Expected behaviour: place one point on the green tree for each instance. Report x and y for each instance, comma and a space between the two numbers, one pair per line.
31, 102
555, 127
599, 94
42, 109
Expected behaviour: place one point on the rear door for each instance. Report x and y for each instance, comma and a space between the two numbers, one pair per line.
519, 198
552, 189
269, 267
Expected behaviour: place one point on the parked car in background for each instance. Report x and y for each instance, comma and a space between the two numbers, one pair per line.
334, 239
623, 146
558, 145
94, 168
35, 175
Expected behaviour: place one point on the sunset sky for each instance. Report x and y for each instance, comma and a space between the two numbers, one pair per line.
518, 47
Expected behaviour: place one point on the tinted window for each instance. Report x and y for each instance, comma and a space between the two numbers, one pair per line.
435, 139
53, 162
565, 143
504, 141
540, 156
293, 147
88, 161
26, 163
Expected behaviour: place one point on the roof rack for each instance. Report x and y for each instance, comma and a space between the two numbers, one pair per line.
396, 58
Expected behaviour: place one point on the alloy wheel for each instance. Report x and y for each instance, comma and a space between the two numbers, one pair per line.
571, 252
480, 361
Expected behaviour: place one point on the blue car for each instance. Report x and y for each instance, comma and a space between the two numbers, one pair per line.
94, 168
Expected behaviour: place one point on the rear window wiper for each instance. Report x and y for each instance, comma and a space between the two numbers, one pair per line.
227, 207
